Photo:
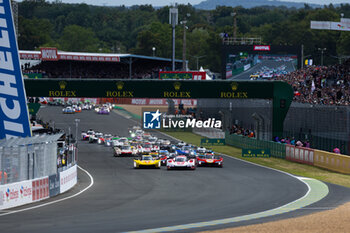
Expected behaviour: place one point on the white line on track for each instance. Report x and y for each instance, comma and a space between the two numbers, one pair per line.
56, 201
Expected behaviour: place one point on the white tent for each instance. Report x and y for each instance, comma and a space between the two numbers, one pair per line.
207, 77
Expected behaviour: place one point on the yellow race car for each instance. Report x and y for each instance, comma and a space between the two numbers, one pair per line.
147, 161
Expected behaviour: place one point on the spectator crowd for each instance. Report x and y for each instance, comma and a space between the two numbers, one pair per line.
235, 129
327, 85
97, 70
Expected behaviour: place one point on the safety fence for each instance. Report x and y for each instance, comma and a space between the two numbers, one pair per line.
277, 150
35, 168
318, 158
28, 158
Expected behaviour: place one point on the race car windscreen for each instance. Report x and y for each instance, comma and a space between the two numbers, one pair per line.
181, 159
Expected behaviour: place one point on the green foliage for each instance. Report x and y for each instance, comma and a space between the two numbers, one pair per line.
81, 27
77, 38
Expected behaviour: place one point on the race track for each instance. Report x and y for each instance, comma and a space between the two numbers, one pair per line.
124, 199
268, 63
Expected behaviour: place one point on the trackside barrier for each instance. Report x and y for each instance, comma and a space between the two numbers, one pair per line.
323, 159
332, 161
277, 150
29, 191
68, 178
15, 194
300, 154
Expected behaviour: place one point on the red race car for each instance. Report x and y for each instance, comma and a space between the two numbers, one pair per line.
210, 160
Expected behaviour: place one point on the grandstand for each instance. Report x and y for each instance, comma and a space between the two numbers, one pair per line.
51, 63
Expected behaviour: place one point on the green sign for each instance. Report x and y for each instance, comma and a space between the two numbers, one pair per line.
212, 142
259, 153
33, 108
33, 75
280, 92
186, 76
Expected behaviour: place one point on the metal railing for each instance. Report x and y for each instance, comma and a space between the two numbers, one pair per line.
28, 158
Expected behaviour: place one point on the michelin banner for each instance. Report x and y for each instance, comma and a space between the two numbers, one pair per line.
14, 121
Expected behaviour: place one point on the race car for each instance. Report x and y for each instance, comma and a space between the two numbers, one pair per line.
210, 160
103, 138
146, 148
124, 151
87, 107
68, 110
120, 141
180, 144
154, 154
181, 162
186, 150
94, 137
163, 156
147, 161
155, 148
86, 135
108, 141
201, 150
76, 108
103, 111
152, 139
165, 142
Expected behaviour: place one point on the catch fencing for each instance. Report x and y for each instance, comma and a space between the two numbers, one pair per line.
325, 127
28, 158
277, 150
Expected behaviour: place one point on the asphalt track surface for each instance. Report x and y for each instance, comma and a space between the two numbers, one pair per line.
268, 63
124, 199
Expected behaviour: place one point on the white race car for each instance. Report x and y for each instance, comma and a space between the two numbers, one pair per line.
94, 137
124, 151
146, 148
86, 135
120, 142
181, 162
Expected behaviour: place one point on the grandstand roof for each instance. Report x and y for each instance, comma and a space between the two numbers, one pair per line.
30, 140
52, 54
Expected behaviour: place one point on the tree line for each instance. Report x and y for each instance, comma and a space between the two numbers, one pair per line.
137, 29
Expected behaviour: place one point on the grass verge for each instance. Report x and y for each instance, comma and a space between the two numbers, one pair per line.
280, 164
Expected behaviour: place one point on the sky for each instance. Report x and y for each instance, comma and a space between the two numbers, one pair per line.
170, 2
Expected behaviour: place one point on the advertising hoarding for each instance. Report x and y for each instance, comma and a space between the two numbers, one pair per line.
54, 185
68, 179
13, 107
15, 194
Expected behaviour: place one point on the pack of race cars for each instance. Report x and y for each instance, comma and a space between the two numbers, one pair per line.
150, 151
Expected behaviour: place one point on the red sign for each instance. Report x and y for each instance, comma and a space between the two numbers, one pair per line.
261, 47
40, 189
49, 54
